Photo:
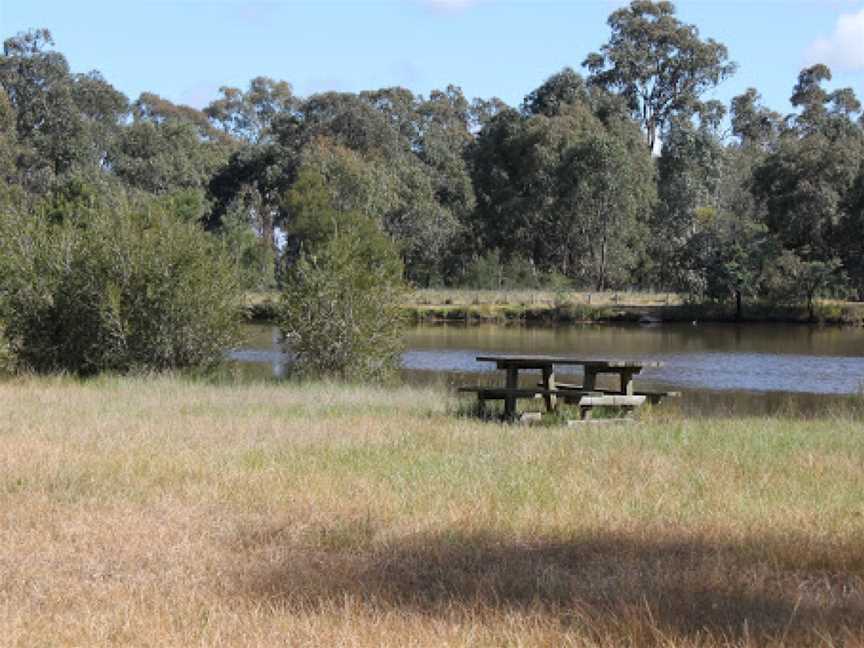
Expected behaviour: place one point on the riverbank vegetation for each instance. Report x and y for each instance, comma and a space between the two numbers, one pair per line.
567, 306
621, 177
161, 511
577, 307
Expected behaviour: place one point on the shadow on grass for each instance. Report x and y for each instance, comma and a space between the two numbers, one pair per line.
611, 586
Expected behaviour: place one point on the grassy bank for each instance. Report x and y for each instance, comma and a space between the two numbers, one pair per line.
582, 307
165, 512
569, 307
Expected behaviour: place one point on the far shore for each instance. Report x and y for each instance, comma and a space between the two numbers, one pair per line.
547, 307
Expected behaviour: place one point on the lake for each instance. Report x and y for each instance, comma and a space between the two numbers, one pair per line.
719, 367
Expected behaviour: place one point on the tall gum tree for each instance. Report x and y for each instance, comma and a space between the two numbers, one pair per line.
658, 64
805, 184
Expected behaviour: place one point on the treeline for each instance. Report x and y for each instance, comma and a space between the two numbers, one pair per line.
622, 178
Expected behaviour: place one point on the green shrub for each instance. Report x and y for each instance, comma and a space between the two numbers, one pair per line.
126, 288
341, 311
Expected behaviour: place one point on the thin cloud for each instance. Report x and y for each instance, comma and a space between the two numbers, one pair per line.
843, 49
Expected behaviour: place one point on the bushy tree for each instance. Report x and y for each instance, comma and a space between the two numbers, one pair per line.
114, 287
793, 280
341, 309
63, 122
727, 257
571, 191
248, 115
166, 154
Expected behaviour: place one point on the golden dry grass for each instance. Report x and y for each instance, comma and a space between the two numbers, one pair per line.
468, 297
514, 297
161, 512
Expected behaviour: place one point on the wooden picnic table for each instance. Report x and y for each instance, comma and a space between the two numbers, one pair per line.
550, 390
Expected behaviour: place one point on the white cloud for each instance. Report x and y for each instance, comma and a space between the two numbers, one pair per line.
844, 49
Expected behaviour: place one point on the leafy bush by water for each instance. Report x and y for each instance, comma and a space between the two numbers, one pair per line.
341, 309
119, 288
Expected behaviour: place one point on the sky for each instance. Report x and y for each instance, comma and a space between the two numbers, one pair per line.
185, 50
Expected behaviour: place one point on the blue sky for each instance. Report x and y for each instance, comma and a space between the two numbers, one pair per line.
185, 49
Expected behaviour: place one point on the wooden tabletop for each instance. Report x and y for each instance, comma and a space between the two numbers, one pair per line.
531, 361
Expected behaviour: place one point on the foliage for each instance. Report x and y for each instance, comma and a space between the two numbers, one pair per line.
727, 256
658, 64
793, 280
472, 191
165, 156
572, 191
62, 121
489, 272
253, 258
341, 309
248, 115
120, 287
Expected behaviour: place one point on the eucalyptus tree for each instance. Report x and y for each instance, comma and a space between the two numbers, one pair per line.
566, 183
606, 191
64, 122
659, 64
851, 234
400, 109
248, 115
168, 147
350, 121
398, 195
252, 184
259, 174
805, 183
103, 109
151, 108
793, 278
562, 88
443, 142
726, 257
689, 175
482, 110
753, 124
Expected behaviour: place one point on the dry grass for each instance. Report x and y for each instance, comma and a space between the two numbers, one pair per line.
516, 297
160, 512
468, 297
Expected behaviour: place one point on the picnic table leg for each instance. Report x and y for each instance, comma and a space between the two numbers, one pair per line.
509, 400
549, 383
590, 381
627, 383
481, 405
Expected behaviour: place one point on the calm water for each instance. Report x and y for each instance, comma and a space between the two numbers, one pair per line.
757, 367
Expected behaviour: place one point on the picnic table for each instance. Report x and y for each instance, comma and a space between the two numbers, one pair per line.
587, 395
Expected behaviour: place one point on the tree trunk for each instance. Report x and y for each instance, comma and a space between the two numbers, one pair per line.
737, 305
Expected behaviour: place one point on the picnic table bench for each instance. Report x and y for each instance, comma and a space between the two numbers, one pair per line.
587, 395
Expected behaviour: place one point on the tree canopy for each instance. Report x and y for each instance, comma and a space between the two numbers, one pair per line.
658, 64
628, 177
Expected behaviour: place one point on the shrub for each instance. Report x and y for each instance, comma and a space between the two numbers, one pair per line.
341, 309
791, 280
133, 287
